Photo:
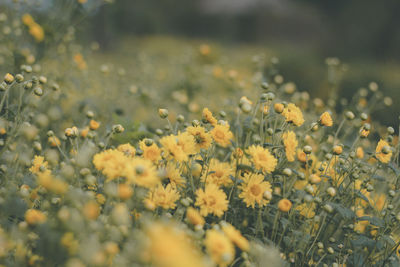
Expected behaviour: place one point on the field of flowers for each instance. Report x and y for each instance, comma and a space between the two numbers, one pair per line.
184, 154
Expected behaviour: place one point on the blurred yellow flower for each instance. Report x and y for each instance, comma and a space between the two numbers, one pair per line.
383, 151
326, 119
211, 200
236, 237
38, 162
290, 142
208, 117
151, 152
293, 114
33, 216
169, 246
194, 217
219, 247
202, 138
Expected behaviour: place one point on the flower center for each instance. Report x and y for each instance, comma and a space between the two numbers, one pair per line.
219, 135
255, 190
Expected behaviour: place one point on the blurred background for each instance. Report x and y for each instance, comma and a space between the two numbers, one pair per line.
364, 34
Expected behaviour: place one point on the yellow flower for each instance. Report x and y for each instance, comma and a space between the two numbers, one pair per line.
262, 158
94, 125
112, 163
151, 152
279, 107
125, 191
127, 149
364, 133
208, 116
163, 197
218, 173
33, 216
70, 243
194, 217
381, 154
38, 162
174, 176
293, 114
219, 247
211, 200
54, 141
37, 32
284, 205
253, 189
201, 137
91, 210
222, 135
179, 147
326, 119
169, 246
236, 237
143, 173
187, 142
306, 210
290, 142
27, 19
52, 184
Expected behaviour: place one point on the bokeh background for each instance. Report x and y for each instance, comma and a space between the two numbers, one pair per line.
364, 34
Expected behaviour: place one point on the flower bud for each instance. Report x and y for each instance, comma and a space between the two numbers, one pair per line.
307, 149
337, 150
9, 78
328, 208
118, 128
19, 78
364, 116
279, 107
331, 191
163, 113
349, 115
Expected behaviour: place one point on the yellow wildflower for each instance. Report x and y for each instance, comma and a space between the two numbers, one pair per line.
208, 116
201, 137
222, 135
151, 152
163, 197
236, 237
169, 246
326, 119
38, 162
212, 200
194, 217
253, 189
262, 158
383, 151
284, 205
127, 149
218, 173
293, 114
174, 176
219, 247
